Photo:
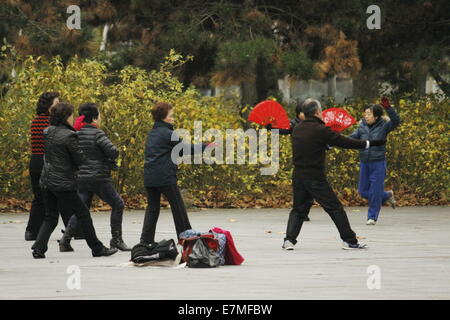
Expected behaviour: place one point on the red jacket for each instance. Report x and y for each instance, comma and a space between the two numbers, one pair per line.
232, 256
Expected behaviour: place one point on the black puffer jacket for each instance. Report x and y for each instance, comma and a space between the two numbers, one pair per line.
62, 158
99, 152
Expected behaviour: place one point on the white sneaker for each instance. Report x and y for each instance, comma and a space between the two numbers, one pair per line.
371, 222
287, 245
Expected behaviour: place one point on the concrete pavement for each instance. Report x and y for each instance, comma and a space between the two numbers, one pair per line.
408, 257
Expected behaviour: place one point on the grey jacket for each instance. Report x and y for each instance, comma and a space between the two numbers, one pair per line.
378, 131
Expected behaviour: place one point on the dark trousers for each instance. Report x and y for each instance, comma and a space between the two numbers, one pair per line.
37, 212
70, 203
180, 217
106, 192
305, 191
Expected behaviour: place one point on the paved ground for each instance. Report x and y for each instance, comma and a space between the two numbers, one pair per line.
410, 246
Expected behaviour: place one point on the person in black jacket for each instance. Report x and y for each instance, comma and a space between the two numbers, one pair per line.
160, 173
299, 117
94, 176
309, 144
62, 158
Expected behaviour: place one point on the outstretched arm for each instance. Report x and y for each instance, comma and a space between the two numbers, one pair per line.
338, 140
195, 148
280, 131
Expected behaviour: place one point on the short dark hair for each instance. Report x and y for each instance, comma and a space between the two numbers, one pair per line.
310, 107
60, 113
298, 109
45, 101
160, 110
89, 111
376, 109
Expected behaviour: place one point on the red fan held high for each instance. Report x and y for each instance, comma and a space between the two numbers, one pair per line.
270, 112
337, 119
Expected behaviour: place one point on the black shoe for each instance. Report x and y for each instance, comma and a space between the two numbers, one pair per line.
77, 236
104, 252
117, 241
64, 242
29, 236
307, 219
64, 246
119, 244
38, 254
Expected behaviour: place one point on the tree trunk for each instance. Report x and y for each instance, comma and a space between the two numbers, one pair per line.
248, 93
104, 37
444, 85
332, 85
422, 74
265, 80
365, 84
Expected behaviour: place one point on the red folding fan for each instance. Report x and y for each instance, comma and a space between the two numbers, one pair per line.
270, 112
337, 119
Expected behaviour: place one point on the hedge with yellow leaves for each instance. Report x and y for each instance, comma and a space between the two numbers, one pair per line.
418, 161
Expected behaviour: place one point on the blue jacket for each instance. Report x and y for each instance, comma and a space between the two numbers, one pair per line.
159, 169
378, 131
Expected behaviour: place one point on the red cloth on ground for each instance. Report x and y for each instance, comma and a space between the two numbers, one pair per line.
232, 256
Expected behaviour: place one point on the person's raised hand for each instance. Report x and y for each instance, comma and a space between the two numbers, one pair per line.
385, 103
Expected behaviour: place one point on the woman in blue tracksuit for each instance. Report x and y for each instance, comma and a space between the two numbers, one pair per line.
373, 160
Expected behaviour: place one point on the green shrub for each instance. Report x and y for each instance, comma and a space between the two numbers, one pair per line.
418, 162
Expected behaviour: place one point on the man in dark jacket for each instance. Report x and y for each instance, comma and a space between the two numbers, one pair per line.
62, 159
310, 141
94, 176
299, 117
